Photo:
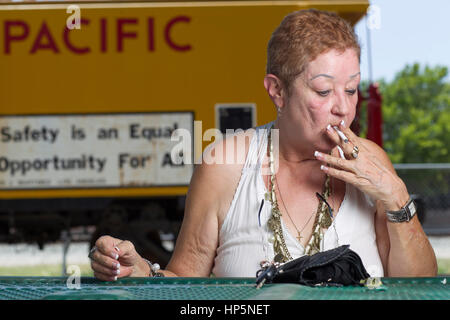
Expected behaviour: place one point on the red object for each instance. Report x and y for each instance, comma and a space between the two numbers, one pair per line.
374, 115
355, 126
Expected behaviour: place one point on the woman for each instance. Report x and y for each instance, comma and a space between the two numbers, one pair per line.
238, 215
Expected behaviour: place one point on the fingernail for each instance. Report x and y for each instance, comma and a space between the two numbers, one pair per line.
316, 154
118, 271
114, 255
117, 265
324, 168
115, 278
343, 123
117, 248
329, 127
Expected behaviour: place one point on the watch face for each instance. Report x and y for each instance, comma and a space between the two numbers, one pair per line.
412, 208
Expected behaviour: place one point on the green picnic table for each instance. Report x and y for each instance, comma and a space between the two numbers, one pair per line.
88, 288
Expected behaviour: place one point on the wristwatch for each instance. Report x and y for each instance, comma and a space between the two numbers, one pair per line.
406, 213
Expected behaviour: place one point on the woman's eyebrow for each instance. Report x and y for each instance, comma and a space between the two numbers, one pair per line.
321, 75
356, 74
331, 77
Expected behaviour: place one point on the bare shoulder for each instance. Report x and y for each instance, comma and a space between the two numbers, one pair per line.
221, 166
377, 152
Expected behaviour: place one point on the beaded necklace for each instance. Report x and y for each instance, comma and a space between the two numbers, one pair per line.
322, 221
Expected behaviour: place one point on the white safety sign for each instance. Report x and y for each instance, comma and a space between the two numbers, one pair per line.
93, 150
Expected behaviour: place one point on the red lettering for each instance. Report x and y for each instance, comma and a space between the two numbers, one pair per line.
169, 41
103, 35
121, 34
16, 31
69, 45
8, 37
44, 32
151, 34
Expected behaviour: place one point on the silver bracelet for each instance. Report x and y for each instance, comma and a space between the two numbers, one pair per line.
154, 269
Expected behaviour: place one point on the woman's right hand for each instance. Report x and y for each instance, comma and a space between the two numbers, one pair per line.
114, 258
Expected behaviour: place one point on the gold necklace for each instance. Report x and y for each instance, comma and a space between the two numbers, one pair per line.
299, 233
322, 221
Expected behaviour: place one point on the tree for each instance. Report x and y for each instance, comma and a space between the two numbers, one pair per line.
416, 115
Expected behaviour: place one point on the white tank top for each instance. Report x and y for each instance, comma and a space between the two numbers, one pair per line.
245, 239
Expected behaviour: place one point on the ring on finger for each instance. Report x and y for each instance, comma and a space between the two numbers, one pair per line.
94, 248
355, 152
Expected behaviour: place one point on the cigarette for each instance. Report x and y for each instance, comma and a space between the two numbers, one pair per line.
341, 152
339, 132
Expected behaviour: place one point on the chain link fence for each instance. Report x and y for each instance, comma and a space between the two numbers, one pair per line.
430, 185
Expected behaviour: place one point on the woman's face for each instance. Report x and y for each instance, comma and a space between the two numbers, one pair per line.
326, 93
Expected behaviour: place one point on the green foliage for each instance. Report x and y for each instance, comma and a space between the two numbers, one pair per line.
443, 267
416, 115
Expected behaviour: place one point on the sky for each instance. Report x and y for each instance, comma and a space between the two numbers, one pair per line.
404, 32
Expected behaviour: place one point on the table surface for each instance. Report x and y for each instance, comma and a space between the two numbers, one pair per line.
59, 288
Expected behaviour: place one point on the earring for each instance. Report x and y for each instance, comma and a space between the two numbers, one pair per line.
279, 111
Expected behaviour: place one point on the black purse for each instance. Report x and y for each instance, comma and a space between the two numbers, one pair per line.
336, 267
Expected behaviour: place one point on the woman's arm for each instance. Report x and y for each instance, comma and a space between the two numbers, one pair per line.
403, 246
196, 243
198, 238
210, 193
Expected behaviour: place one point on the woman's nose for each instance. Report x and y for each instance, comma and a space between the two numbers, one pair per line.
341, 105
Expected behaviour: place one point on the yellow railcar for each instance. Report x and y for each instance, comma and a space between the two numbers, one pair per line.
92, 95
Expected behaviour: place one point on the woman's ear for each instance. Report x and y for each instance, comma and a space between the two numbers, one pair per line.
275, 90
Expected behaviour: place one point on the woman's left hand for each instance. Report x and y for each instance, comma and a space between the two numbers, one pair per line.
363, 169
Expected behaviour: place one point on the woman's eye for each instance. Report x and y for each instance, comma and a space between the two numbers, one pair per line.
351, 92
323, 93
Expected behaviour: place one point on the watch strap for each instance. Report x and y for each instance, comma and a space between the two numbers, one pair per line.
406, 213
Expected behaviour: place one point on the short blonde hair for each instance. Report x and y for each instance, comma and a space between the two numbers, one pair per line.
301, 37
